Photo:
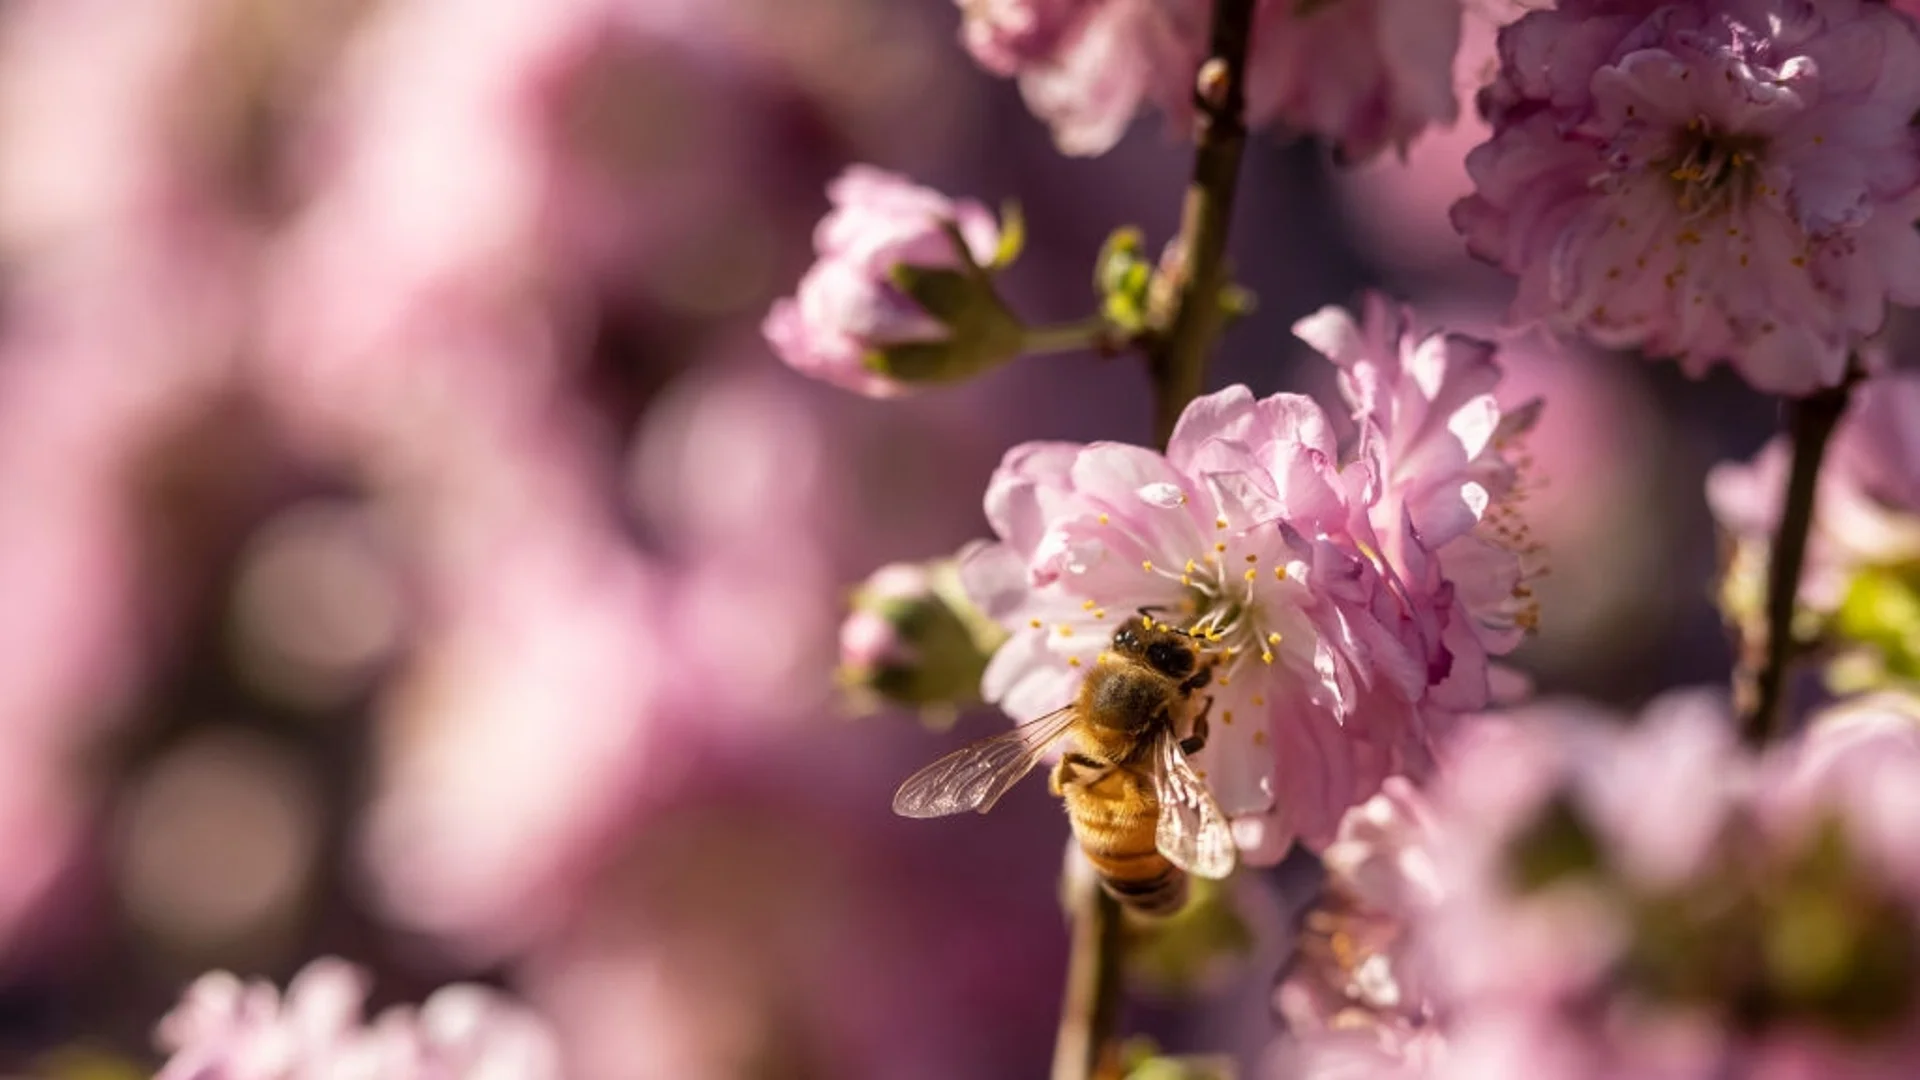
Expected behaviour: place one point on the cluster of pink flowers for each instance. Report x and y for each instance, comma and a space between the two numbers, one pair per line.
1728, 181
1355, 603
1580, 898
1362, 74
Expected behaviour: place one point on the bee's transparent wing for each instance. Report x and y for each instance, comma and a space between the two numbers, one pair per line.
1192, 832
975, 776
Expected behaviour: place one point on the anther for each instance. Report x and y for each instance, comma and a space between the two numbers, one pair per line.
1219, 523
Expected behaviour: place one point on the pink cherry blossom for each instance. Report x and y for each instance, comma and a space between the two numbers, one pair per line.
1867, 505
1087, 67
1435, 448
1241, 528
227, 1029
1363, 75
847, 306
1732, 181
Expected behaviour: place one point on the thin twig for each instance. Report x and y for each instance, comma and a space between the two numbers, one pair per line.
1176, 360
1178, 357
1091, 1008
1763, 681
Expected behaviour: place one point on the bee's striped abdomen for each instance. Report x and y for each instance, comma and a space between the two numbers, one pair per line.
1114, 821
1161, 893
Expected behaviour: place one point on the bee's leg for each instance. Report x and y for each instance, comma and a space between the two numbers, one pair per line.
1075, 768
1197, 741
1198, 679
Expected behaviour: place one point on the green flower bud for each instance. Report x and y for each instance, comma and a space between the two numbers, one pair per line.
913, 638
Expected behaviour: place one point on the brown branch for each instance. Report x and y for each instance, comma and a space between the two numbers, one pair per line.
1177, 357
1176, 361
1763, 677
1084, 1048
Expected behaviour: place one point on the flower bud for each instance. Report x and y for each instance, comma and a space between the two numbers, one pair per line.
913, 639
902, 289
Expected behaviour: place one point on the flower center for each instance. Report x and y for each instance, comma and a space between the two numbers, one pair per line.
1713, 169
1221, 601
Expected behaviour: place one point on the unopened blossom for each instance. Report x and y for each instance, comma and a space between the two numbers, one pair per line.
1364, 75
228, 1029
1241, 533
1865, 536
899, 290
1087, 67
1439, 464
1727, 181
912, 638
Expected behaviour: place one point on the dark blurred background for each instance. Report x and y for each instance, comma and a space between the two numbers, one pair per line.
409, 550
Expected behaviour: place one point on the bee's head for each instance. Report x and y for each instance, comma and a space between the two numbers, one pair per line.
1165, 648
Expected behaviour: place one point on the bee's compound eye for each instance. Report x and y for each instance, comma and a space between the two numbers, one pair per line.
1169, 658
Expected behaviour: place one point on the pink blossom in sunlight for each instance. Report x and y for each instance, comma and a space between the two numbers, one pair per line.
1364, 75
1240, 530
849, 305
1438, 455
227, 1029
1732, 181
1086, 67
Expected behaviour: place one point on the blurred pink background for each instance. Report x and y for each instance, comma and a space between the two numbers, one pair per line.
411, 552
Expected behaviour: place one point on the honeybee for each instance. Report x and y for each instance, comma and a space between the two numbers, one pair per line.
1143, 817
